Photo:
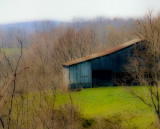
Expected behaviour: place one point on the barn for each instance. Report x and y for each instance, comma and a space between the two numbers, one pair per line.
100, 69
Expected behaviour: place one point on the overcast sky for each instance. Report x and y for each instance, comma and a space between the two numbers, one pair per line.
65, 10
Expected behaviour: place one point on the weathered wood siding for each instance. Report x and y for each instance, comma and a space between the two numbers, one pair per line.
80, 75
114, 62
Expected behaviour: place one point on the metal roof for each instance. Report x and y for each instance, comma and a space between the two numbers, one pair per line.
104, 53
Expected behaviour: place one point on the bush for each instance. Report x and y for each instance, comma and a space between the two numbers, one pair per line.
88, 122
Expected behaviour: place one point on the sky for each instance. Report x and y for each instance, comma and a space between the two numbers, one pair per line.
12, 11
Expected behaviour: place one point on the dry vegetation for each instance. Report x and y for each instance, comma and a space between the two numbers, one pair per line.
38, 69
145, 66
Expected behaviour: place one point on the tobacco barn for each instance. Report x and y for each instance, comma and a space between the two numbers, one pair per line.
100, 69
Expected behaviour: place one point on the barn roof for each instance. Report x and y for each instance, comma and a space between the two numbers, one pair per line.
104, 53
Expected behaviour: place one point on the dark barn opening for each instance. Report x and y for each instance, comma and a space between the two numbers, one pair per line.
101, 78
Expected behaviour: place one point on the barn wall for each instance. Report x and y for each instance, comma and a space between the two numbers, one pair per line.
66, 82
114, 62
80, 75
110, 66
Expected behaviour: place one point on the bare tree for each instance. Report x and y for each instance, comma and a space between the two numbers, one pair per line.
116, 36
144, 67
14, 71
2, 122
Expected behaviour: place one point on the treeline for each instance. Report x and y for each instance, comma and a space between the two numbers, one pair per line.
100, 25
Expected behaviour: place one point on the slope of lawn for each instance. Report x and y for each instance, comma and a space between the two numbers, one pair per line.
105, 103
110, 101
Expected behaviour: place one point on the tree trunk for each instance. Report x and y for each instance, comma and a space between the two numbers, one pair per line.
2, 122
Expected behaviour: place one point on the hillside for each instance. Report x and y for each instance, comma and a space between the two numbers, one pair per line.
27, 26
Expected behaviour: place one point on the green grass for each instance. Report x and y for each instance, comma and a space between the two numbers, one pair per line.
109, 101
106, 102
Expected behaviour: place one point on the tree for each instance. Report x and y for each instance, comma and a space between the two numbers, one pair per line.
116, 36
144, 67
10, 85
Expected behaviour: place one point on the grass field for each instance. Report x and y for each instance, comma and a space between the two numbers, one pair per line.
106, 103
109, 101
